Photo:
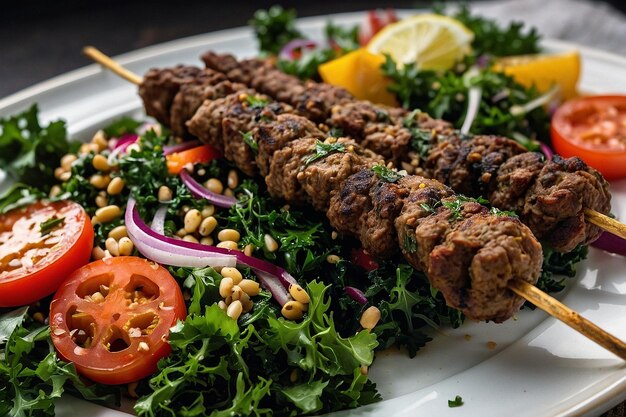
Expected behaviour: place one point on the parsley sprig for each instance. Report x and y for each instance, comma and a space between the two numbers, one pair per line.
322, 150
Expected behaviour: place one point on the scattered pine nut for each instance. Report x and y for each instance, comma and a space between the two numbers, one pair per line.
214, 185
226, 287
232, 273
165, 194
115, 186
270, 243
370, 317
292, 310
332, 259
192, 221
228, 234
252, 288
234, 310
299, 294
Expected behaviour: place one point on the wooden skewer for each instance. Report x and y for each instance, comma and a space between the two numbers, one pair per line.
525, 290
605, 222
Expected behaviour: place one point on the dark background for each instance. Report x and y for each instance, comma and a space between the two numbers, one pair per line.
40, 39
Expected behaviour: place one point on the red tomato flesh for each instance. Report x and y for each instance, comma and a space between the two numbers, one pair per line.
594, 129
33, 264
364, 260
111, 318
200, 154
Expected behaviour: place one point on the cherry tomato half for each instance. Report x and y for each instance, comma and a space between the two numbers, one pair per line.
364, 260
177, 161
594, 129
111, 318
40, 246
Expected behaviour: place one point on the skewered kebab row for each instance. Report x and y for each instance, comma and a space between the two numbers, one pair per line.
422, 217
550, 197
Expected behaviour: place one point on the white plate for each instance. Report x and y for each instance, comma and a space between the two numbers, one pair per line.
539, 368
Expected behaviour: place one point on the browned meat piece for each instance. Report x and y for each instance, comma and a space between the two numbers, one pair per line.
223, 122
556, 202
513, 180
239, 71
472, 255
285, 166
469, 166
273, 135
321, 176
160, 86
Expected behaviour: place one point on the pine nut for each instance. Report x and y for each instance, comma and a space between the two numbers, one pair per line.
108, 213
95, 220
293, 376
165, 194
58, 173
208, 211
118, 232
232, 273
65, 177
247, 303
38, 316
270, 243
190, 238
370, 318
236, 293
86, 148
192, 220
221, 304
228, 244
115, 186
226, 287
125, 246
250, 287
292, 310
181, 232
244, 298
233, 179
207, 226
112, 246
229, 193
298, 294
67, 161
234, 310
54, 191
97, 253
228, 234
100, 139
101, 200
249, 249
334, 235
214, 185
99, 181
100, 163
364, 370
207, 240
332, 259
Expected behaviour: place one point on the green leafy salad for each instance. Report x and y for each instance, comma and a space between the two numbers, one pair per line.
256, 361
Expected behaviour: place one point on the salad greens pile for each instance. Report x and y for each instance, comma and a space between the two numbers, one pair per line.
261, 364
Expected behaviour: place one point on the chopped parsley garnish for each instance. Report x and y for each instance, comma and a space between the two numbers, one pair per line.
274, 28
457, 402
322, 150
47, 226
256, 102
249, 140
386, 174
335, 132
497, 212
456, 205
422, 140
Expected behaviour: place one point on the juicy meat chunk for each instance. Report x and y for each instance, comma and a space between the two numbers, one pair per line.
160, 86
469, 166
282, 179
555, 205
513, 180
273, 135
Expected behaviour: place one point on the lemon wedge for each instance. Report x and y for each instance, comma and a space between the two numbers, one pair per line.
544, 70
431, 41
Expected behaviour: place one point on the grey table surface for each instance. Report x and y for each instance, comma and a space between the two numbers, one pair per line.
40, 39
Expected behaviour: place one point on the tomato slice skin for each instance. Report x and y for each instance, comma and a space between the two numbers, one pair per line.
200, 154
53, 255
118, 335
364, 260
572, 131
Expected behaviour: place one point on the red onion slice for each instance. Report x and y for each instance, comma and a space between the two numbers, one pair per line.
356, 294
611, 243
167, 150
289, 50
158, 221
200, 192
273, 285
545, 149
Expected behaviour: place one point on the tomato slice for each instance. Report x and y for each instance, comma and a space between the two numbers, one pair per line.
111, 318
364, 260
35, 261
594, 129
177, 161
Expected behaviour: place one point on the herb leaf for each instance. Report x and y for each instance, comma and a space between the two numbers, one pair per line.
322, 150
249, 140
51, 223
274, 28
386, 174
457, 402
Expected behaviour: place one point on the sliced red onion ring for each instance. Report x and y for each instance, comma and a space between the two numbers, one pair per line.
356, 294
181, 147
178, 251
273, 285
199, 191
545, 149
611, 243
158, 221
288, 51
123, 141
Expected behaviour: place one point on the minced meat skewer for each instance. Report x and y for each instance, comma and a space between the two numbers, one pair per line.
306, 170
471, 166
